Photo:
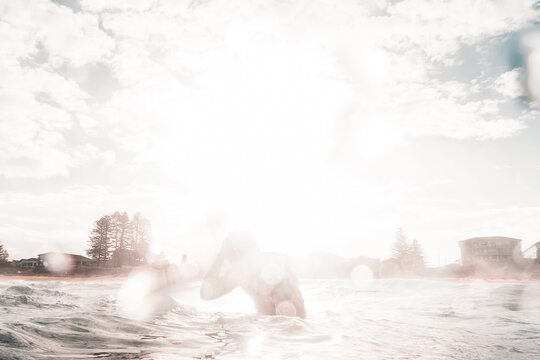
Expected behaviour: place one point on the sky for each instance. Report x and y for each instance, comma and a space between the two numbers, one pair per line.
317, 125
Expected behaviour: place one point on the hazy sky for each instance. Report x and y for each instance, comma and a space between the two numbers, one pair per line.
317, 125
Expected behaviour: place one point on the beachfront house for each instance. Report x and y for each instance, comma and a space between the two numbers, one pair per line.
60, 262
533, 252
28, 263
493, 250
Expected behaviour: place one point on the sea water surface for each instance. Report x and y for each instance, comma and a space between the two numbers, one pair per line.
382, 319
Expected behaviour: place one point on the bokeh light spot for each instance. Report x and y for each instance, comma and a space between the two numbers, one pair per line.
361, 276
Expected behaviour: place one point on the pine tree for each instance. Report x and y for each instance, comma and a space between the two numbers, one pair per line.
401, 250
409, 255
115, 230
417, 256
4, 255
140, 236
100, 240
120, 230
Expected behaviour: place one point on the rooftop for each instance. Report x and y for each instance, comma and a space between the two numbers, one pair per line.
489, 238
73, 256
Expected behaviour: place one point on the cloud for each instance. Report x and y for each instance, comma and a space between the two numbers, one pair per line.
259, 64
509, 84
122, 5
39, 106
247, 108
31, 136
437, 30
68, 38
258, 67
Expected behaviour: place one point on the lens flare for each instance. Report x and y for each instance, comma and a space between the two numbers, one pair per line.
361, 277
143, 295
58, 263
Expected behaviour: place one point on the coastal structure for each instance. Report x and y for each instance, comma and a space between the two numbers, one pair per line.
28, 263
533, 252
60, 262
494, 250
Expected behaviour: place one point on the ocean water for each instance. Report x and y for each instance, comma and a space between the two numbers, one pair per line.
379, 319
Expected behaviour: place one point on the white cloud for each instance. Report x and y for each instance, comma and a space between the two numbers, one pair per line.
260, 65
509, 84
437, 29
121, 5
38, 105
242, 105
69, 38
31, 140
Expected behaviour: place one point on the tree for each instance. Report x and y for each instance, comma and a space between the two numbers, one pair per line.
115, 230
140, 236
118, 238
4, 255
100, 240
418, 260
401, 249
120, 230
408, 255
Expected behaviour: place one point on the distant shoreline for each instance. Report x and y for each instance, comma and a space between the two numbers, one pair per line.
80, 275
475, 280
67, 278
123, 276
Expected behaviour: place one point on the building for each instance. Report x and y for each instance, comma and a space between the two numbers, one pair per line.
495, 250
60, 262
533, 252
28, 263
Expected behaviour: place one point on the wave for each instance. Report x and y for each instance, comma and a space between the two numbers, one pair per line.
388, 318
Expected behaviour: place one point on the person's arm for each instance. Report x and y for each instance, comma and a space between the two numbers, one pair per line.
288, 293
298, 301
214, 283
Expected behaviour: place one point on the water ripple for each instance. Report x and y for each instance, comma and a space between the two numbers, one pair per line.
399, 319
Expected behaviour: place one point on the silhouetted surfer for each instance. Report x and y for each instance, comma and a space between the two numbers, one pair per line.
266, 277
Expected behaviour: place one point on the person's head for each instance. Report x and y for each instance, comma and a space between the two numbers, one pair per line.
240, 245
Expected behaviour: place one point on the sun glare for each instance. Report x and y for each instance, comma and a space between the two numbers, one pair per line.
375, 137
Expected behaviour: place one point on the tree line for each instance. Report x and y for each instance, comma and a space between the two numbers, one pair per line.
409, 255
4, 255
119, 239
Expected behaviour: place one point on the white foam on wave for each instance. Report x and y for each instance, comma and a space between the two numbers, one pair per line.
391, 318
